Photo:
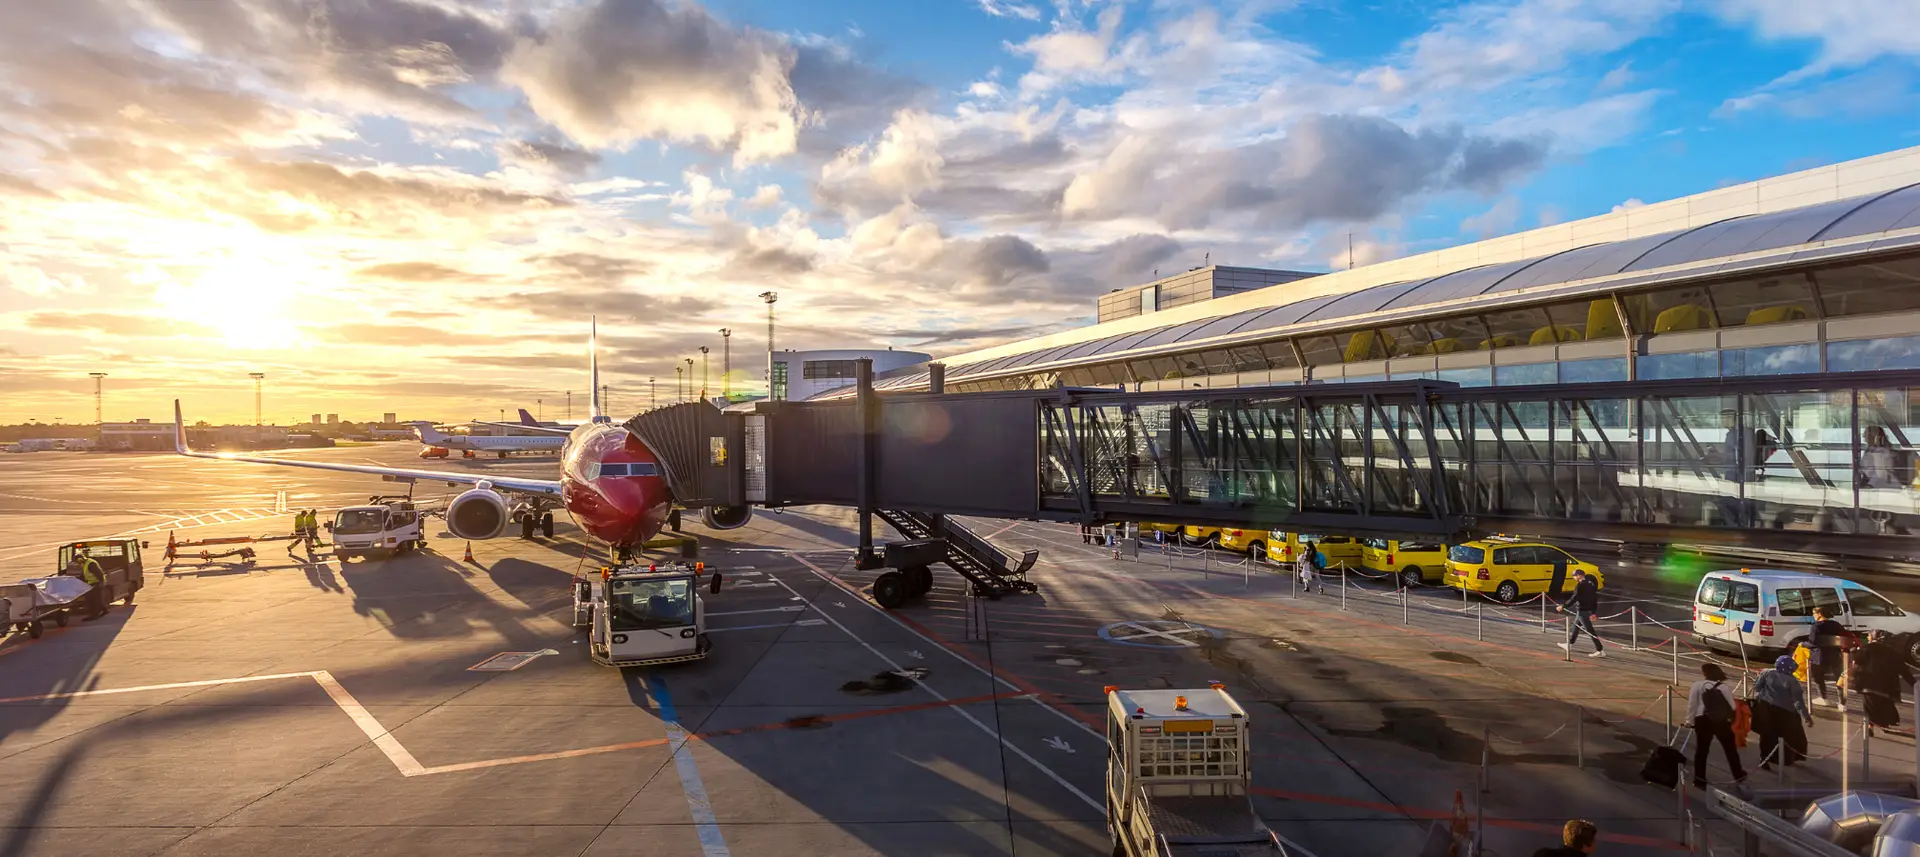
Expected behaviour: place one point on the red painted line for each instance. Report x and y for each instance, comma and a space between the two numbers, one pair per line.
1432, 814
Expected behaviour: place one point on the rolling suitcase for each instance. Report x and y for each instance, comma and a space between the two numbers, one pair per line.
1663, 766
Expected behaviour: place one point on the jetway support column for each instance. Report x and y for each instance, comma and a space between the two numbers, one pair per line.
866, 407
936, 378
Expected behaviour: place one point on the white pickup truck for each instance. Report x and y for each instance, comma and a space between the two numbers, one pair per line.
385, 528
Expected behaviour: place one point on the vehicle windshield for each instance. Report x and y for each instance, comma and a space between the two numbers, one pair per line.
1466, 553
636, 605
354, 521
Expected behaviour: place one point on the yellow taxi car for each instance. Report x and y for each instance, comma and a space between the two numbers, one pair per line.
1511, 569
1148, 528
1250, 542
1284, 547
1416, 562
1199, 535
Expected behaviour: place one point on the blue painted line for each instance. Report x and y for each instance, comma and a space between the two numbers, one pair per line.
712, 844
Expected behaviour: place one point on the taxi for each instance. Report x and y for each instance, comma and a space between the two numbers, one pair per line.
1416, 562
1199, 535
1510, 569
1250, 542
1284, 547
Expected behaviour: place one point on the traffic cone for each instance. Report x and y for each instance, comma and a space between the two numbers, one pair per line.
171, 549
469, 556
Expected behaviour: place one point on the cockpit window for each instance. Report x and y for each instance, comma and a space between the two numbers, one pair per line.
641, 604
353, 521
622, 468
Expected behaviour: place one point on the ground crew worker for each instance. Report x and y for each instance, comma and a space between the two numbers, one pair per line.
85, 568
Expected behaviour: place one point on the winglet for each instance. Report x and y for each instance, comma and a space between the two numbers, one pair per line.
179, 431
593, 368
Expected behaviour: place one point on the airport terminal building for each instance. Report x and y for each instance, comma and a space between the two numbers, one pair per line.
1816, 271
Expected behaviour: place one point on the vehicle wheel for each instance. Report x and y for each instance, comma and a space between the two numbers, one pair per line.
890, 590
1913, 648
35, 629
129, 599
1189, 540
919, 579
1257, 550
526, 527
546, 525
1411, 576
1508, 592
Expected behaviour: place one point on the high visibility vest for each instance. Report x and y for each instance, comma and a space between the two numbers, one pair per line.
89, 571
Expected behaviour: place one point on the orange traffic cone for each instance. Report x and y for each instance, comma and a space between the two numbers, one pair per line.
171, 549
469, 556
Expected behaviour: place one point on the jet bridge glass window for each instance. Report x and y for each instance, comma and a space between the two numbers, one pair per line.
638, 605
1190, 756
1767, 300
1876, 287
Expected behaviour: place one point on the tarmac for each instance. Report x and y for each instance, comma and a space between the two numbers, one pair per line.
313, 708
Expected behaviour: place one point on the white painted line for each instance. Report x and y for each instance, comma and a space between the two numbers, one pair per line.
760, 627
712, 844
178, 684
751, 585
362, 718
1051, 774
788, 609
976, 667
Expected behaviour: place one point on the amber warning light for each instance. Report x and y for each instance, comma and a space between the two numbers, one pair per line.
1179, 703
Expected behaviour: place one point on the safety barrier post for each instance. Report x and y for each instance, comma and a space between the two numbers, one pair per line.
1580, 737
1486, 757
1567, 651
1403, 605
1866, 755
1476, 624
1681, 813
1206, 562
1296, 582
1343, 587
1543, 613
1675, 640
1633, 616
1667, 695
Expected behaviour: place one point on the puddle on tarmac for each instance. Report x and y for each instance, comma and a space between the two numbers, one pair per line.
1088, 671
1330, 673
1067, 662
890, 681
1454, 658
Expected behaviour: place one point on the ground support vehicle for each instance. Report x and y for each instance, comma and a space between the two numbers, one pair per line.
638, 615
121, 571
1767, 611
1178, 779
30, 604
386, 526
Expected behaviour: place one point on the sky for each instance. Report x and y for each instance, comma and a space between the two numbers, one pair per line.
415, 205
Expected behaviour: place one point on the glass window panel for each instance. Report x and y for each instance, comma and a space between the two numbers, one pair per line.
1671, 311
1891, 286
1508, 328
1746, 596
1320, 350
1279, 355
1408, 339
1772, 360
1585, 320
1423, 374
1866, 355
1157, 369
1474, 376
1593, 371
1769, 300
1363, 345
1889, 431
1460, 333
1530, 373
1690, 364
1866, 603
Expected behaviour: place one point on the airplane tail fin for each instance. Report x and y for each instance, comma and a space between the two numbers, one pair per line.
179, 431
593, 369
527, 419
425, 431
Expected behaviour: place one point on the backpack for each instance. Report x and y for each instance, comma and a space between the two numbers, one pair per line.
1319, 559
1714, 705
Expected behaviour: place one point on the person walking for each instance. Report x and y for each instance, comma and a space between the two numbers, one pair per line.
1780, 714
1824, 661
1880, 671
1086, 534
1710, 712
1584, 604
1309, 567
1579, 837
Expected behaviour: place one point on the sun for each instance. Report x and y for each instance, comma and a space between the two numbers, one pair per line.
246, 302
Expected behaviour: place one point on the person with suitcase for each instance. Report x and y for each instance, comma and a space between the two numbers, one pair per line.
1780, 714
1710, 711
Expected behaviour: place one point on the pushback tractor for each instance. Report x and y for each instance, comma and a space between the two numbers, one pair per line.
641, 615
1178, 779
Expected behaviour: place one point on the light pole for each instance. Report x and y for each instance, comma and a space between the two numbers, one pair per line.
569, 406
769, 297
689, 379
97, 388
539, 410
679, 381
606, 398
257, 378
703, 372
653, 396
726, 364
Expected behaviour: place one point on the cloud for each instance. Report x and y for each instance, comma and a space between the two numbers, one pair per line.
611, 305
393, 335
1849, 32
1008, 9
620, 71
34, 279
412, 272
116, 324
1338, 167
1879, 91
1495, 221
763, 262
12, 184
558, 158
1629, 205
1620, 77
1071, 54
765, 196
593, 268
1481, 46
996, 261
326, 196
924, 338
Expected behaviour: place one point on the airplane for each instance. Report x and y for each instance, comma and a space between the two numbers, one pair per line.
528, 423
482, 443
610, 483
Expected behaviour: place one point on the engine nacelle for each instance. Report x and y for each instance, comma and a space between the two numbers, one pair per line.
478, 514
726, 517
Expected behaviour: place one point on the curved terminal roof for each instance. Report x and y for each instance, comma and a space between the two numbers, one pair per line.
1693, 248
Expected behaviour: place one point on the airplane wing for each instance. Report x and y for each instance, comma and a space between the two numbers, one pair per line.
509, 484
538, 429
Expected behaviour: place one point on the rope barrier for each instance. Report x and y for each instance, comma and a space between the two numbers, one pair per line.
1556, 731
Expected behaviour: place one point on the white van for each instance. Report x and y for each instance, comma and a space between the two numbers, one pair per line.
1766, 610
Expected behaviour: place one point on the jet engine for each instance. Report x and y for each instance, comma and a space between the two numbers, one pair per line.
478, 514
726, 517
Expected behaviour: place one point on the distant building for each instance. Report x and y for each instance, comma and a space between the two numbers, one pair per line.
800, 375
1190, 287
333, 419
392, 434
315, 420
139, 434
389, 418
